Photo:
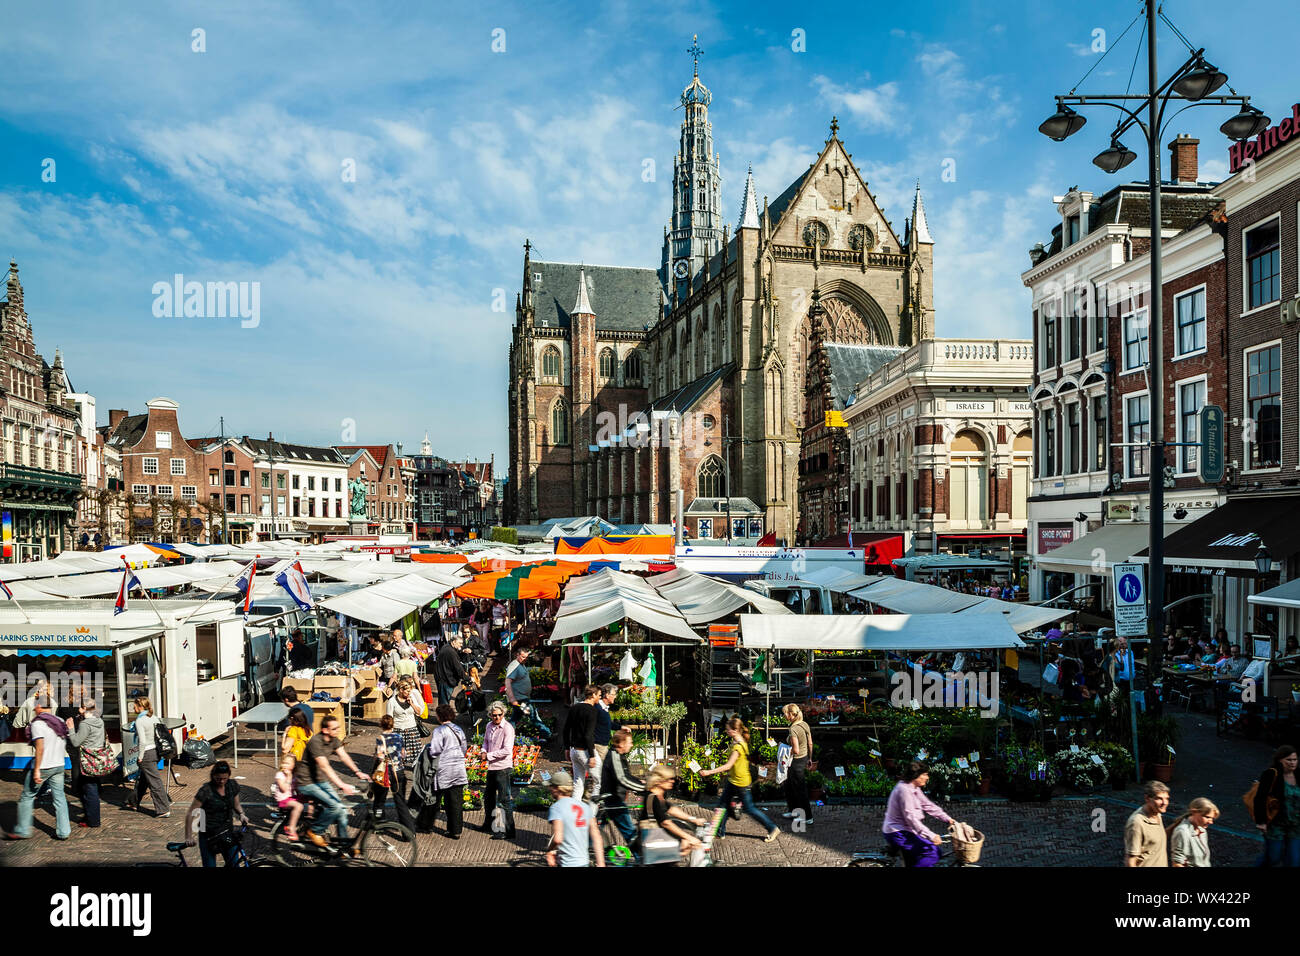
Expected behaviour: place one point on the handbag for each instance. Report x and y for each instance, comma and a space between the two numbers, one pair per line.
1272, 806
658, 845
99, 761
164, 742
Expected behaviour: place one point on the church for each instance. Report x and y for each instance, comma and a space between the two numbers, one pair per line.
628, 384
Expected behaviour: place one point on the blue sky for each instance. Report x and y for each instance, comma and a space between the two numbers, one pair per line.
377, 295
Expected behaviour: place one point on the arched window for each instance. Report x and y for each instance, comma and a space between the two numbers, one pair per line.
967, 480
560, 422
710, 481
551, 364
606, 363
632, 368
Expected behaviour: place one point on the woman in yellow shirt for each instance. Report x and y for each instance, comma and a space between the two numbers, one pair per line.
737, 787
297, 735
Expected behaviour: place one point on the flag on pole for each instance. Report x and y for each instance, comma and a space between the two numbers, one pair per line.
9, 595
129, 581
294, 581
245, 585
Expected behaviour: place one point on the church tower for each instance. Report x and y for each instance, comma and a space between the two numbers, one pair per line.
695, 233
917, 312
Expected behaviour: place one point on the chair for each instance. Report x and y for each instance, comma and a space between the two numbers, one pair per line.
1178, 690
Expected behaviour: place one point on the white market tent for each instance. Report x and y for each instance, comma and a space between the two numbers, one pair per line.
1023, 617
389, 601
612, 611
946, 562
877, 632
913, 597
841, 581
701, 599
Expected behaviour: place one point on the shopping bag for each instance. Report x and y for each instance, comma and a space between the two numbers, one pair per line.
784, 757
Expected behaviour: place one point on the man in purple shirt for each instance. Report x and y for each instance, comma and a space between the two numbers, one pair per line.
499, 750
905, 815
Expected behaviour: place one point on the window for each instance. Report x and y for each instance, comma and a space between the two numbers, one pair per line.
710, 479
245, 505
151, 466
1137, 428
162, 439
1072, 230
967, 479
1073, 444
1262, 265
1191, 399
266, 506
229, 458
294, 481
1074, 342
632, 368
189, 493
1049, 443
279, 481
1135, 339
607, 363
1264, 406
214, 477
1049, 334
1099, 424
1189, 311
551, 364
178, 466
164, 491
140, 491
560, 422
1099, 322
243, 479
311, 482
266, 479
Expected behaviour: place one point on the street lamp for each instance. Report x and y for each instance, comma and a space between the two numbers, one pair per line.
1192, 83
1263, 561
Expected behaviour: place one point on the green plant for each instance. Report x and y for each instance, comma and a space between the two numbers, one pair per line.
1118, 760
1157, 738
504, 535
816, 780
1079, 770
1027, 772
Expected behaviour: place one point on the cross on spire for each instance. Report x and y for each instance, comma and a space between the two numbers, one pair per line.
696, 52
835, 125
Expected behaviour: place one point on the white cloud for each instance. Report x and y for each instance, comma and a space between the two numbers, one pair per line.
874, 107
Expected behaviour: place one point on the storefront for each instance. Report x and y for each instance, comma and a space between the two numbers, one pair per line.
37, 509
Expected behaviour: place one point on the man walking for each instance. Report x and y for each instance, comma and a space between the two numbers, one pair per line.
499, 750
580, 735
1144, 833
448, 669
574, 833
519, 683
49, 737
600, 740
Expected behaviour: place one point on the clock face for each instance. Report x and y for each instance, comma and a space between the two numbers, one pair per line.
680, 268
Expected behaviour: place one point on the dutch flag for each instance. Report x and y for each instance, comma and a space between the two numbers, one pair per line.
9, 595
129, 581
294, 581
245, 584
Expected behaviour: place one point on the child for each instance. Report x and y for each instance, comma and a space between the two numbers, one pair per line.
285, 793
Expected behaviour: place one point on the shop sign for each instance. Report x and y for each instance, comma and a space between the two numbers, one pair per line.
1119, 511
1051, 537
1211, 456
969, 407
1263, 144
1019, 408
53, 635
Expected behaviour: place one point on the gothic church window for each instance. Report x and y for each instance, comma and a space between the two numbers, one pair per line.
551, 364
560, 422
607, 363
632, 368
710, 479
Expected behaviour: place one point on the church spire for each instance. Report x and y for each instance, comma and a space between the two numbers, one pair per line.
920, 228
582, 306
749, 204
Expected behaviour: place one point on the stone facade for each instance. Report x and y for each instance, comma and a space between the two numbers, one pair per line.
941, 445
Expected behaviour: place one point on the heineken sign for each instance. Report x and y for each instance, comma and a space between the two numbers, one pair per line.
1210, 459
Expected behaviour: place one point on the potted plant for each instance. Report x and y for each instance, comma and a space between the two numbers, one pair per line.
1157, 740
1119, 763
1295, 692
1028, 774
816, 785
1083, 769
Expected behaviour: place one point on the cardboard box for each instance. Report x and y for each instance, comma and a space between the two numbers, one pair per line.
302, 685
372, 708
335, 685
322, 709
366, 677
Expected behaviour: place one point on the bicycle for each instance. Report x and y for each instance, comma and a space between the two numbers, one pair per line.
376, 843
892, 856
219, 840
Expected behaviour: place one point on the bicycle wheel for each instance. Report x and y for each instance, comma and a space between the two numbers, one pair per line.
288, 852
387, 844
265, 861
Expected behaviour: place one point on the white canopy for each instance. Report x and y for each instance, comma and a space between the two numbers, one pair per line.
701, 599
839, 580
617, 609
880, 632
912, 597
1023, 617
1284, 595
107, 582
1097, 552
389, 601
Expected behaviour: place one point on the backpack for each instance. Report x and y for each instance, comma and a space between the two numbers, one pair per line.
423, 784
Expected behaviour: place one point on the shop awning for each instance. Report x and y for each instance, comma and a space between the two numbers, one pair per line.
389, 601
612, 611
880, 632
1117, 543
948, 562
1023, 618
1284, 595
913, 597
701, 599
1230, 535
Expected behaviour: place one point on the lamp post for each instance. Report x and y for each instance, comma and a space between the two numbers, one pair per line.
1192, 83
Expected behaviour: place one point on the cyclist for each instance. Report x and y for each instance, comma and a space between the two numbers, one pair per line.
212, 816
659, 811
617, 781
904, 825
316, 779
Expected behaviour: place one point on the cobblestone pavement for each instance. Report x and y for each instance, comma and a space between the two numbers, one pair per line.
1062, 832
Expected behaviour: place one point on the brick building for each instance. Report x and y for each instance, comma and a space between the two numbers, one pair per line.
161, 474
378, 467
941, 449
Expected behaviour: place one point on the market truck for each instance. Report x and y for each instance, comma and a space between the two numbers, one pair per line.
153, 649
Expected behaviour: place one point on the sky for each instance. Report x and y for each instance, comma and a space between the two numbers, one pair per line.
375, 169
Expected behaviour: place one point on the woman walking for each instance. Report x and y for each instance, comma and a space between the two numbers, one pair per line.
145, 729
739, 780
1188, 845
796, 779
90, 739
404, 707
448, 744
1277, 809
